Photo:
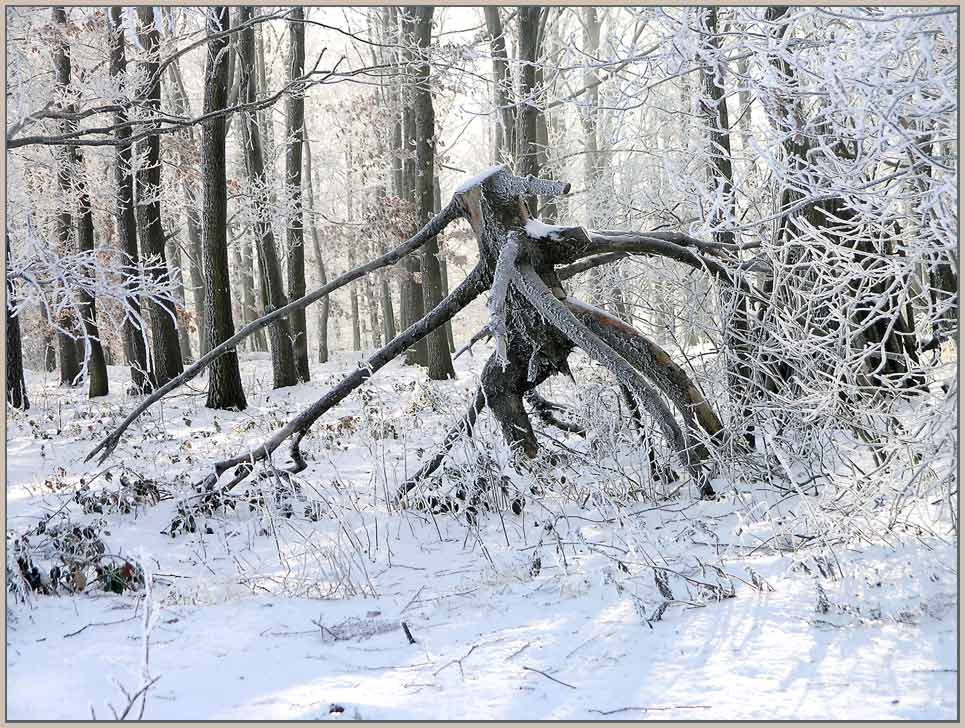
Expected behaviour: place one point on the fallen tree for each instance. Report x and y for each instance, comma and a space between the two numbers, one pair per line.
535, 323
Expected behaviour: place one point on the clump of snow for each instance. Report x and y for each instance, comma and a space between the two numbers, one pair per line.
539, 230
479, 178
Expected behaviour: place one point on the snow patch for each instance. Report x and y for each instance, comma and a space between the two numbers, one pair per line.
479, 178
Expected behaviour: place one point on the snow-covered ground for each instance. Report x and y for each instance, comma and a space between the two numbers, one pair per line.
673, 608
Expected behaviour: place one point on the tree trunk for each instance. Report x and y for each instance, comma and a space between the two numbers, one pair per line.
412, 302
224, 381
439, 361
293, 177
72, 183
527, 149
350, 217
135, 338
443, 264
323, 306
248, 293
176, 271
182, 105
721, 174
16, 387
166, 350
283, 362
504, 137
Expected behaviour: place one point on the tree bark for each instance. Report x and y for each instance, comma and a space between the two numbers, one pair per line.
135, 338
295, 117
437, 345
224, 380
16, 387
412, 303
283, 362
166, 349
504, 137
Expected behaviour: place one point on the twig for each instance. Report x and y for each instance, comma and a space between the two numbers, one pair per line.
649, 708
533, 669
408, 634
98, 624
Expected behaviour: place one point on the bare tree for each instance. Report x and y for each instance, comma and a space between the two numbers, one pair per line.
283, 362
16, 387
224, 381
438, 359
71, 177
295, 117
166, 351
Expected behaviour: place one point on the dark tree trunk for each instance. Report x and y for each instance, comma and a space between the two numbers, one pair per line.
283, 362
96, 364
293, 178
68, 173
412, 302
166, 348
224, 381
323, 306
439, 361
527, 112
16, 387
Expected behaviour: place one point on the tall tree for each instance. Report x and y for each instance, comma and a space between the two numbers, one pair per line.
16, 387
166, 354
72, 181
293, 178
504, 141
439, 361
323, 306
283, 361
531, 19
412, 302
224, 382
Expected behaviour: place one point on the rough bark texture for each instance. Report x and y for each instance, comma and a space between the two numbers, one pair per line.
295, 117
224, 380
437, 346
16, 387
282, 357
68, 175
166, 354
412, 301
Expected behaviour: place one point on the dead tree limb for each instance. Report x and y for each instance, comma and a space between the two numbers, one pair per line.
474, 284
432, 228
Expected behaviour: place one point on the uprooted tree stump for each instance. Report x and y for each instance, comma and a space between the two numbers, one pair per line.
523, 263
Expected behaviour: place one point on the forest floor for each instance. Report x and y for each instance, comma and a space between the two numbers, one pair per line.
668, 608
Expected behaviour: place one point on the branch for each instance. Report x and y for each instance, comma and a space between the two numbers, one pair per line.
505, 267
474, 284
557, 315
430, 230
